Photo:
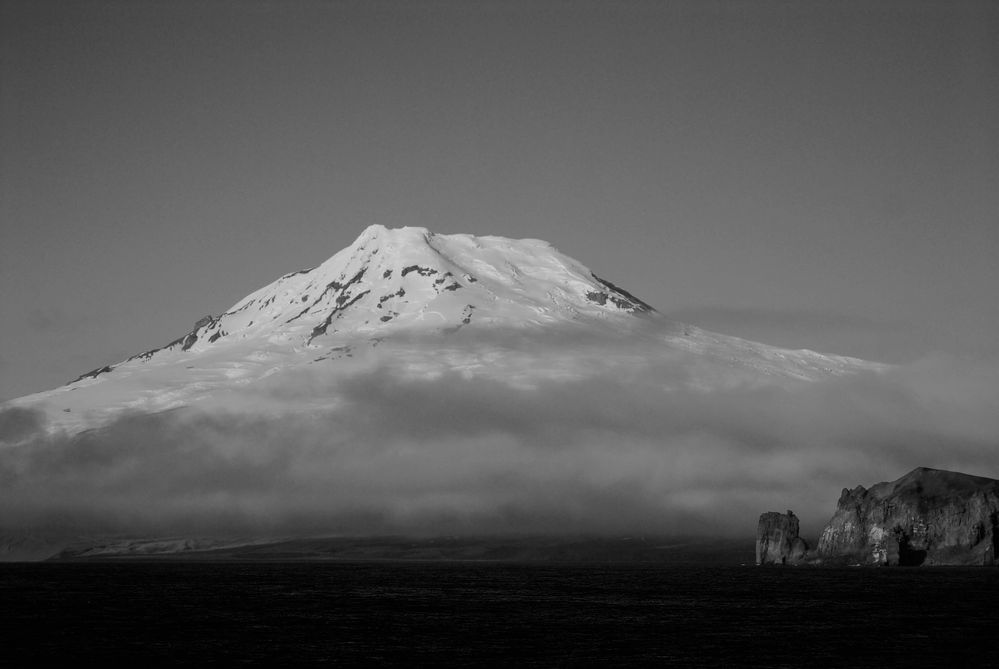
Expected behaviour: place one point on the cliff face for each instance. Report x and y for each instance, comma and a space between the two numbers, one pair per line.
777, 540
928, 516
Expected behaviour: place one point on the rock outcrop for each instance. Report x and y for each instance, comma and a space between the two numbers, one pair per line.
777, 540
928, 516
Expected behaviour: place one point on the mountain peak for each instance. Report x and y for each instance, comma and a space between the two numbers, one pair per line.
377, 234
410, 279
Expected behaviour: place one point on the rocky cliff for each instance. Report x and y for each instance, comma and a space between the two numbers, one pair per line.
777, 540
928, 516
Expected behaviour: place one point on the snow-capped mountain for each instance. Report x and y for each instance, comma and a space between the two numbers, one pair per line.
431, 304
410, 279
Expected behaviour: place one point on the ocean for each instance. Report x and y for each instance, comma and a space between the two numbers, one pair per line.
495, 613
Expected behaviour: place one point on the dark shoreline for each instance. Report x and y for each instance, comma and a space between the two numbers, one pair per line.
567, 550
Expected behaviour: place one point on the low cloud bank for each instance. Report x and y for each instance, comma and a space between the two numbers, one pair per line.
457, 455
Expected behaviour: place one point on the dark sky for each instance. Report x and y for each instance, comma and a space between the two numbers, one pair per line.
820, 175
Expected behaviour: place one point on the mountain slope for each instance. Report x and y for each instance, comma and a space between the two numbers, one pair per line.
516, 310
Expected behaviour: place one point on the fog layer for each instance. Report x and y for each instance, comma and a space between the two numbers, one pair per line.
453, 454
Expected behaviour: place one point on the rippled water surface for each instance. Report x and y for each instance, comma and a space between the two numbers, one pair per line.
474, 613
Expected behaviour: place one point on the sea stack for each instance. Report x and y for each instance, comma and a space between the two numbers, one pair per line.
927, 517
777, 540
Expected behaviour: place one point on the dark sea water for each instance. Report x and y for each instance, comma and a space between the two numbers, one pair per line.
474, 613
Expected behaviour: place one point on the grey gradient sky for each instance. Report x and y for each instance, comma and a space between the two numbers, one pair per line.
821, 175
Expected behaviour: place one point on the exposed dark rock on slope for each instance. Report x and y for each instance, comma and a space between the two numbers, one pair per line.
928, 516
777, 540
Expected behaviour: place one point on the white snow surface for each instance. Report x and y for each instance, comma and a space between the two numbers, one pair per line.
426, 304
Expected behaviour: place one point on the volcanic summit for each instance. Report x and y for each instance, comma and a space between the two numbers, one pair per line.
434, 303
